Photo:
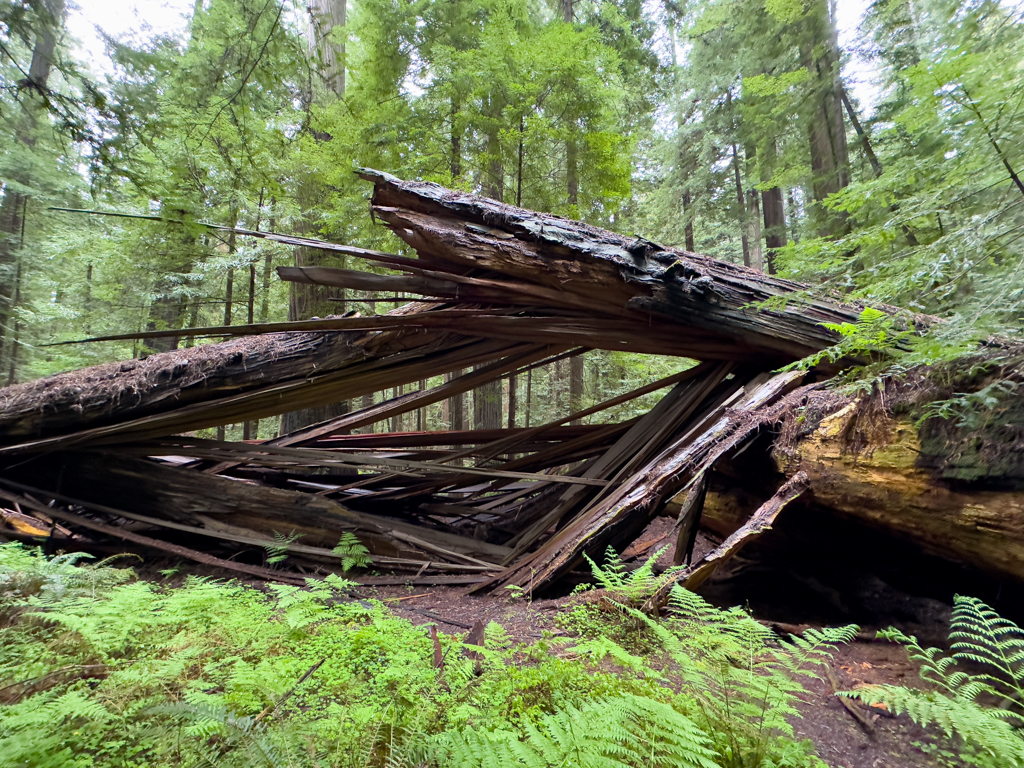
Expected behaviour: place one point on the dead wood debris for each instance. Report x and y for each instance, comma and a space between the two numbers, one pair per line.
105, 452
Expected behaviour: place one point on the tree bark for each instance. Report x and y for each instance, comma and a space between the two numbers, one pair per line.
308, 301
576, 385
487, 406
772, 207
688, 222
741, 206
830, 166
886, 487
456, 409
16, 194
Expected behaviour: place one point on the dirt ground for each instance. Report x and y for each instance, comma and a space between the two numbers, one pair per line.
784, 580
842, 741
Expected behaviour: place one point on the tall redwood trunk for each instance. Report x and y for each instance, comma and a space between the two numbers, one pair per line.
572, 181
16, 196
307, 301
830, 165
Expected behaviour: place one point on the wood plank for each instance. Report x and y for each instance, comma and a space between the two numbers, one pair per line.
760, 522
634, 502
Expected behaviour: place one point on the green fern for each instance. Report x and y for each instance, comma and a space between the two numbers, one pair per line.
27, 572
278, 551
610, 733
874, 333
983, 639
630, 587
352, 552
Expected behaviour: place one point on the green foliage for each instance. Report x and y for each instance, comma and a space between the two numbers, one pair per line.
978, 687
353, 552
875, 333
208, 673
630, 587
27, 573
278, 551
623, 731
972, 410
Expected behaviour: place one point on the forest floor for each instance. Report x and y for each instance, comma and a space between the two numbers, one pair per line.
842, 742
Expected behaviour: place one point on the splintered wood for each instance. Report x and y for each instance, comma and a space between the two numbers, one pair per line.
106, 454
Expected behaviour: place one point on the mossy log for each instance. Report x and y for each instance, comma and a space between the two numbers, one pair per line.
896, 485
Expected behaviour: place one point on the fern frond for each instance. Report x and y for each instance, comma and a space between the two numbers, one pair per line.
985, 730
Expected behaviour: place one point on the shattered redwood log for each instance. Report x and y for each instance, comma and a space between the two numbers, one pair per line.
889, 485
216, 384
507, 288
632, 505
609, 274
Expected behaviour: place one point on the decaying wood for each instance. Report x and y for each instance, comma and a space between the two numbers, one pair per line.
631, 506
760, 521
501, 290
886, 487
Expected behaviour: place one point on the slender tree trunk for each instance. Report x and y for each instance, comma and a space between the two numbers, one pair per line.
576, 373
688, 221
529, 396
493, 182
519, 169
12, 373
456, 129
13, 205
456, 409
572, 181
741, 205
876, 165
421, 413
754, 229
513, 393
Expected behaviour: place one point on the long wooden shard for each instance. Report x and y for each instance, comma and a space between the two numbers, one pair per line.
632, 505
759, 522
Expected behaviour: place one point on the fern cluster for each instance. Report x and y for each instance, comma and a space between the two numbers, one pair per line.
978, 693
732, 676
129, 673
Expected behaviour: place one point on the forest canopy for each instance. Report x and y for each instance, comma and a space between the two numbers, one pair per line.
726, 127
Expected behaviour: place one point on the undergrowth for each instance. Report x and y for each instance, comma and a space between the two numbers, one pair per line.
977, 690
100, 669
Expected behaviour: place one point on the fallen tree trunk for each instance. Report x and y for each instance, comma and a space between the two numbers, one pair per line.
885, 485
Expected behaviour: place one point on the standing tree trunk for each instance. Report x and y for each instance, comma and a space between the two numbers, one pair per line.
487, 397
572, 181
306, 300
830, 165
576, 385
688, 221
487, 406
741, 206
754, 229
13, 206
513, 400
456, 408
772, 207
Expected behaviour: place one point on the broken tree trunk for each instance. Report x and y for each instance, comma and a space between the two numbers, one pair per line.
635, 502
508, 289
888, 485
